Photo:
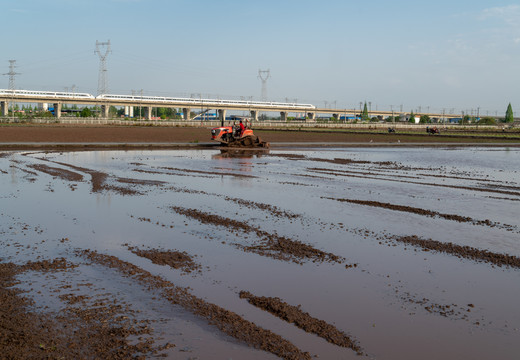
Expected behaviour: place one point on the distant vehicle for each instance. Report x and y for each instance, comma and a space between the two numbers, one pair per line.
432, 130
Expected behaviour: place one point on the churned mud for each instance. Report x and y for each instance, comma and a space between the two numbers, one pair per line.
294, 315
228, 322
271, 245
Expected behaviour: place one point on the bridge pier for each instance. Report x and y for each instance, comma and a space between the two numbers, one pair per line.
283, 116
186, 113
222, 116
5, 108
254, 115
57, 110
148, 112
311, 117
104, 111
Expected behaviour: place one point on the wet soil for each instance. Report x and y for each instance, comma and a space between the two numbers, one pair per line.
80, 330
228, 322
294, 315
269, 244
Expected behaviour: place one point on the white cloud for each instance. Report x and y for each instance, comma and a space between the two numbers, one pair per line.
509, 15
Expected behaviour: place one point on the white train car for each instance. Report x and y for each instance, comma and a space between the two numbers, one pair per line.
206, 102
45, 94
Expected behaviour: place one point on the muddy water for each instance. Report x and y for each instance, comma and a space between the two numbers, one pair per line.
278, 225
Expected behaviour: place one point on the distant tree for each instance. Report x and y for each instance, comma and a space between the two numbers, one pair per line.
487, 120
364, 114
466, 119
112, 110
425, 119
412, 118
85, 112
509, 114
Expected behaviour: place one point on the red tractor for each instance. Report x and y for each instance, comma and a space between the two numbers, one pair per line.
235, 136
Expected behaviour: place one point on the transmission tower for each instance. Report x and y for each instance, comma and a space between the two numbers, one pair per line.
12, 74
102, 49
264, 75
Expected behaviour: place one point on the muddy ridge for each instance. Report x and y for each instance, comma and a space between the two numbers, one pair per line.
140, 181
57, 172
209, 172
174, 259
99, 180
424, 212
228, 322
375, 177
294, 315
461, 251
271, 245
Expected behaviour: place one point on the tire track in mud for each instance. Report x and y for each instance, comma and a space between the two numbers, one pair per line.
460, 251
303, 320
225, 320
273, 210
338, 173
99, 179
270, 245
209, 172
424, 212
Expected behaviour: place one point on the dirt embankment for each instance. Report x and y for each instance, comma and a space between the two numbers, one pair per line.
85, 134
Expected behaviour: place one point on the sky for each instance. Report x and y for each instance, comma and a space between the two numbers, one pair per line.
456, 55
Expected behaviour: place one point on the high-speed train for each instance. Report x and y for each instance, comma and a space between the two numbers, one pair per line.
45, 94
206, 102
155, 99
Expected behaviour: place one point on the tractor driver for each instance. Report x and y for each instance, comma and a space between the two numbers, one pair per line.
242, 128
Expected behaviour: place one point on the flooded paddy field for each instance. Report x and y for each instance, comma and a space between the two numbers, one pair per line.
379, 253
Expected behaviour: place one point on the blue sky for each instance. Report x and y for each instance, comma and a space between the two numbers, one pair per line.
456, 54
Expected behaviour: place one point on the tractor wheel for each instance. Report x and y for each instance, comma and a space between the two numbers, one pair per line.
247, 141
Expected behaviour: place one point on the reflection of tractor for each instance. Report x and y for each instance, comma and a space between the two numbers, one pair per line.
432, 130
234, 136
